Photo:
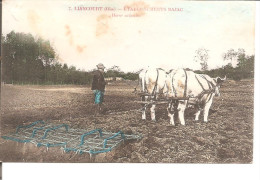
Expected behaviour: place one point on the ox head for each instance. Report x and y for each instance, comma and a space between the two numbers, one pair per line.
218, 82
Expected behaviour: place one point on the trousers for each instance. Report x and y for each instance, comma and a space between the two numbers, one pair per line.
99, 96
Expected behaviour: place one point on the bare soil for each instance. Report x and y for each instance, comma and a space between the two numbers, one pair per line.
226, 138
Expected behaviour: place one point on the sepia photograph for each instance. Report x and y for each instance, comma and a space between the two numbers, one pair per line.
97, 81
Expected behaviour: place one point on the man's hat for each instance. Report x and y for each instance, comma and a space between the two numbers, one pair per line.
100, 66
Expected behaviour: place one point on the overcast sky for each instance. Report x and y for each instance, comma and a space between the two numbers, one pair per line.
161, 38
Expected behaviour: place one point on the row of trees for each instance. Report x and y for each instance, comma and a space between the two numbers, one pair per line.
240, 65
31, 60
115, 71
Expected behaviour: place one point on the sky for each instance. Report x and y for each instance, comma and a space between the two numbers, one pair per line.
153, 36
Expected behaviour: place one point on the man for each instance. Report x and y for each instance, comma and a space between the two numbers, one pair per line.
98, 87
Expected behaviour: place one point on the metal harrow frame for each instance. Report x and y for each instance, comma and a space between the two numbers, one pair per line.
77, 140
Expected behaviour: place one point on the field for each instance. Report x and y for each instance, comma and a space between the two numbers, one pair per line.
226, 138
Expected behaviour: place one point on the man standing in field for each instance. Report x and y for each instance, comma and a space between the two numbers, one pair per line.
98, 87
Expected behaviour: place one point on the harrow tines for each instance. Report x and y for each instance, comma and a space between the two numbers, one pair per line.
76, 140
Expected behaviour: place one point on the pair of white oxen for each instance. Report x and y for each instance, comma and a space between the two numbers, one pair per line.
180, 88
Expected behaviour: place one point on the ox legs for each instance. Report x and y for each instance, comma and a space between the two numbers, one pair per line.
143, 98
153, 112
143, 112
181, 109
170, 110
197, 114
206, 109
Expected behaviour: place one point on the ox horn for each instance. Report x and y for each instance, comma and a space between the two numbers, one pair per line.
220, 80
225, 78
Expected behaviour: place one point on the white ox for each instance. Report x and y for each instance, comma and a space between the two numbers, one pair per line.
153, 83
175, 85
199, 88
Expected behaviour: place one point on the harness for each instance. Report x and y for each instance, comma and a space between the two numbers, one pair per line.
175, 100
185, 87
174, 89
155, 86
153, 95
198, 98
186, 80
209, 91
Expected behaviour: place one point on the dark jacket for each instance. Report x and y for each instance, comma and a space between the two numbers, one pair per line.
98, 82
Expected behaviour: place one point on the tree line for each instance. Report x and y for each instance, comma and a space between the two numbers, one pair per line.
240, 65
30, 60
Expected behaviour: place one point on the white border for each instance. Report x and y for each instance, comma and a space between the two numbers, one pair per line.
45, 171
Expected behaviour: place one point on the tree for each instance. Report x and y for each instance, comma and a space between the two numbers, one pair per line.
232, 56
26, 59
202, 56
114, 72
246, 65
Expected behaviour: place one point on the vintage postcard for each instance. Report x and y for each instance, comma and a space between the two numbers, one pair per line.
109, 81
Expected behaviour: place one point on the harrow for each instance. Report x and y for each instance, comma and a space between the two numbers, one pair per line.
80, 141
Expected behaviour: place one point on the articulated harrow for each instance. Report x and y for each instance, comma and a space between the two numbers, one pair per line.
80, 141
